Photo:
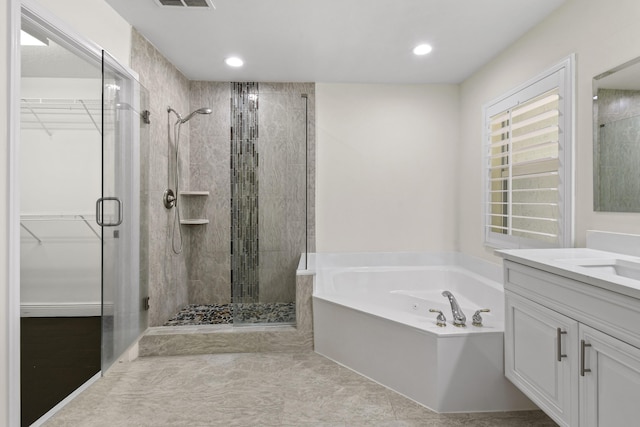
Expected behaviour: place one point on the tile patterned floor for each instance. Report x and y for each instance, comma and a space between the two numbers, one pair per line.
256, 389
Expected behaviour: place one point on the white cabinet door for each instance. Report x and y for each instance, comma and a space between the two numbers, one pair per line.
541, 357
610, 387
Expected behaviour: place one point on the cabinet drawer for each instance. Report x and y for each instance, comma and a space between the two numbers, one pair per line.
609, 312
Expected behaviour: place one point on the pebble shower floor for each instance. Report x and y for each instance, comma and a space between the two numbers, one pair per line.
221, 314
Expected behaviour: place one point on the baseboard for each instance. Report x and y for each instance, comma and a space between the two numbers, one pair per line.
85, 309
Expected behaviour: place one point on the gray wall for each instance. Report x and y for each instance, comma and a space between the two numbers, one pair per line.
209, 261
281, 174
166, 272
281, 218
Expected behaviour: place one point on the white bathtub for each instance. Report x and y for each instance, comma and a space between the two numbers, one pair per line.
371, 314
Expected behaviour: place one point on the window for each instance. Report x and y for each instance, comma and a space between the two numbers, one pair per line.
528, 163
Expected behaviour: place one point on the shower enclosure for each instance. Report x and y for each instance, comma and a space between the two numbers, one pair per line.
245, 207
79, 213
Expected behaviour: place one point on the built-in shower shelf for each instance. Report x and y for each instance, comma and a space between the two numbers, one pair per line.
194, 221
194, 193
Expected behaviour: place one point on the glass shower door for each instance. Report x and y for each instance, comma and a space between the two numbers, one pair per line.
268, 199
118, 210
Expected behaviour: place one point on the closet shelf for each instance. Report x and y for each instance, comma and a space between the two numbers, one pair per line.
194, 193
61, 114
55, 218
194, 221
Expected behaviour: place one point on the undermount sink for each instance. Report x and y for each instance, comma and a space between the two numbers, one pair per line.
617, 267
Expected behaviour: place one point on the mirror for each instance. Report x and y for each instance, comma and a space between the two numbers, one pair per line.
616, 139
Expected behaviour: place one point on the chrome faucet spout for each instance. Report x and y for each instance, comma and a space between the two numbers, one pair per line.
459, 319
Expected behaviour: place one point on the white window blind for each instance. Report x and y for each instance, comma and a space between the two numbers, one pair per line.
528, 164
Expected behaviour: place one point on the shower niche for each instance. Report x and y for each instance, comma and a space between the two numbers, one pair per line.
250, 182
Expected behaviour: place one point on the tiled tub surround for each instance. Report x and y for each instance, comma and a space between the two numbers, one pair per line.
371, 314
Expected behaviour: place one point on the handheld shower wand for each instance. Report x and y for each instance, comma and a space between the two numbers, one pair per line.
193, 113
170, 198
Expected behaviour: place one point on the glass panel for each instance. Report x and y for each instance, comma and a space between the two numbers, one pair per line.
124, 316
60, 151
279, 208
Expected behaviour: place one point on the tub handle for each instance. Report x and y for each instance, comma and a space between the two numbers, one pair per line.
477, 319
559, 334
440, 320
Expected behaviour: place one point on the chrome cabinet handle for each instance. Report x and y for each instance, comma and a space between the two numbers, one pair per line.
559, 334
583, 346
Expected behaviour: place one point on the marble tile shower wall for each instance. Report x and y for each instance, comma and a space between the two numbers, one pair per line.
167, 272
209, 262
281, 178
201, 274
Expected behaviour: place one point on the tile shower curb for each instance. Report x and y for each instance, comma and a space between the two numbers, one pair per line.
213, 339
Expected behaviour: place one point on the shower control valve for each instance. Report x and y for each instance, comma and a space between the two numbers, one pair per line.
169, 198
440, 320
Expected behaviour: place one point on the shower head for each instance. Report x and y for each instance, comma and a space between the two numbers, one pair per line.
198, 111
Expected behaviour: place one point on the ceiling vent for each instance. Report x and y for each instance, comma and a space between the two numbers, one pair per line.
186, 3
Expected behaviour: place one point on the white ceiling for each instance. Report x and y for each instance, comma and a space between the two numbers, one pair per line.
364, 41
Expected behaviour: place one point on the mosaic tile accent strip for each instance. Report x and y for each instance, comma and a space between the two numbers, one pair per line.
221, 314
244, 192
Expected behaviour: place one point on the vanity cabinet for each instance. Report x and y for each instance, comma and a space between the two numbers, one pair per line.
572, 348
541, 357
610, 389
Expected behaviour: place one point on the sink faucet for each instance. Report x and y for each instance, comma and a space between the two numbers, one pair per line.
459, 319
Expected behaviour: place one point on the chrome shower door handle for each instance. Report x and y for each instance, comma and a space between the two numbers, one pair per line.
99, 218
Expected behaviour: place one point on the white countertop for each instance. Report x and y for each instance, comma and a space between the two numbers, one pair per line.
566, 263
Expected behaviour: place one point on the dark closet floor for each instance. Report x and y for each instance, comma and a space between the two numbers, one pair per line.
58, 354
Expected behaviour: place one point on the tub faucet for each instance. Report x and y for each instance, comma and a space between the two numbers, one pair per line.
459, 319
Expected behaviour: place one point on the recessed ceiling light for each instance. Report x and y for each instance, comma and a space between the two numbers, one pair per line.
234, 61
422, 49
